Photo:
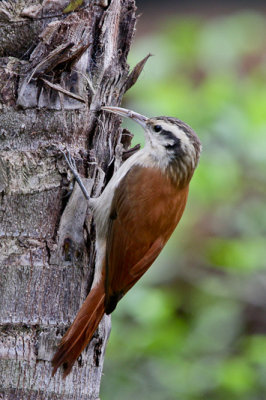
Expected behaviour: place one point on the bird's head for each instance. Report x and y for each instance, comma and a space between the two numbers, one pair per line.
173, 144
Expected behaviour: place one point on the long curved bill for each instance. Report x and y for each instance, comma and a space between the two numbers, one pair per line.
140, 119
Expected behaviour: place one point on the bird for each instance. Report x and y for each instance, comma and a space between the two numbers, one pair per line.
134, 217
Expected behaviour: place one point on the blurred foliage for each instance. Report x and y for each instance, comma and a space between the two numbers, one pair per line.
193, 328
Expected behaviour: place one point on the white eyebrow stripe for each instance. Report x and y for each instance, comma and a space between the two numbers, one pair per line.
175, 130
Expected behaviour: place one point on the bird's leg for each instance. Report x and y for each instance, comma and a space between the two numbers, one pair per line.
72, 165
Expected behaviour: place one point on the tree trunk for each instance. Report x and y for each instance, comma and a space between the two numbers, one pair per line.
56, 70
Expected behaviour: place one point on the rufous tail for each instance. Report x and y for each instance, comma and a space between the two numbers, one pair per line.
81, 331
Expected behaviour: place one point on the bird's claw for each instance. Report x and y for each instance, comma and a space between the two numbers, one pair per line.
70, 162
72, 165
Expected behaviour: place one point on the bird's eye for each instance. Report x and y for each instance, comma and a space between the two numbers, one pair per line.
157, 128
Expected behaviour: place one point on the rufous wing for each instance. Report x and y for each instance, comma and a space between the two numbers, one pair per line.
146, 209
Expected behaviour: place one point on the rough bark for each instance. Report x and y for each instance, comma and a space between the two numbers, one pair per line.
56, 70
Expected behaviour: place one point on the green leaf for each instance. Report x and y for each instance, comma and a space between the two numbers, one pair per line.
237, 376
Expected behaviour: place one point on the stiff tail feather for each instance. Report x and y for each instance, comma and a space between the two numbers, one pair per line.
81, 331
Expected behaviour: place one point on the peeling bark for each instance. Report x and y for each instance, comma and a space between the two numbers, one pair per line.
56, 70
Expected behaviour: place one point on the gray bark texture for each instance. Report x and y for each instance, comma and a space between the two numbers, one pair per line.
56, 70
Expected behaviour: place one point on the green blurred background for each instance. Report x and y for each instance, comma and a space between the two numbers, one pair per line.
194, 327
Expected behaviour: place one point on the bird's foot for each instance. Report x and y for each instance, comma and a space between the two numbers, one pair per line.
72, 165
